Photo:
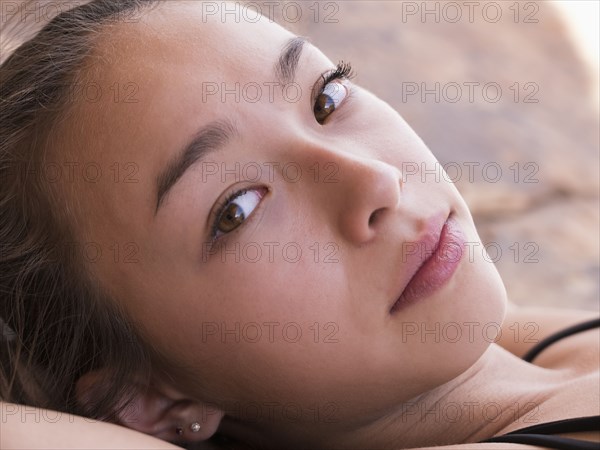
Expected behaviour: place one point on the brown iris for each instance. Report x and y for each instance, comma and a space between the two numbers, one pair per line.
324, 105
232, 217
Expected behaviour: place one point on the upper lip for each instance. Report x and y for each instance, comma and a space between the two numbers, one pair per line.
415, 253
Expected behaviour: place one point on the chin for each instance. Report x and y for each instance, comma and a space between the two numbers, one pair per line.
479, 307
485, 298
488, 302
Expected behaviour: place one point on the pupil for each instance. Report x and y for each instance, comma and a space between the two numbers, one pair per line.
232, 218
324, 106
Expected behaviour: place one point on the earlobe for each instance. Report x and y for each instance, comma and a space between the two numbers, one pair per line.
161, 412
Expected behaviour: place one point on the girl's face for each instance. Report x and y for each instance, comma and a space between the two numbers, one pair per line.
291, 305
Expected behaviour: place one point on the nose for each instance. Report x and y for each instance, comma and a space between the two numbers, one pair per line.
361, 196
369, 194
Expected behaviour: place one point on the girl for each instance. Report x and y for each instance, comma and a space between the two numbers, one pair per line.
231, 250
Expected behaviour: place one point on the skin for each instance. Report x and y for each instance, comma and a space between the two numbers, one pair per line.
361, 384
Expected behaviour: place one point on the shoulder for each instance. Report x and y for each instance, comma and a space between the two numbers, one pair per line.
486, 446
578, 353
526, 326
588, 436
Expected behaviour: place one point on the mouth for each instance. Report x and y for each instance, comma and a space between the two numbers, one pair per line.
431, 262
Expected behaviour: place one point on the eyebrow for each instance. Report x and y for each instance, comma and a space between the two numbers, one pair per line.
214, 136
286, 66
208, 139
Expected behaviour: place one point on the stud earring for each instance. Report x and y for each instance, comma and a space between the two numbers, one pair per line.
195, 427
179, 431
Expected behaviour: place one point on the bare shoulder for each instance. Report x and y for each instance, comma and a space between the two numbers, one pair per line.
593, 436
578, 352
486, 446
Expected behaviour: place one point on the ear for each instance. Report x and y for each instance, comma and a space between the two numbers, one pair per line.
158, 410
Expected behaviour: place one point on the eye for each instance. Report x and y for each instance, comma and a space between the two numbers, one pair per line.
332, 91
235, 210
329, 99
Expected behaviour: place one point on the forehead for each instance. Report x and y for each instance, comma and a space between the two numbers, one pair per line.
180, 40
144, 95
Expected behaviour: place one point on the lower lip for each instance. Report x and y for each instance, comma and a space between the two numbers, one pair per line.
438, 269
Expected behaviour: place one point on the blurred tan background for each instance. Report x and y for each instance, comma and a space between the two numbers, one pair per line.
540, 218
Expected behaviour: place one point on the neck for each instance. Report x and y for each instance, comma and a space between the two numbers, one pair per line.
498, 394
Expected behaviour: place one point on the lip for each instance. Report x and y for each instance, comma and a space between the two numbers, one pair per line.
431, 261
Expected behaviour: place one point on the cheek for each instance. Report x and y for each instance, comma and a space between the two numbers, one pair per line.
275, 325
384, 132
274, 280
487, 296
276, 316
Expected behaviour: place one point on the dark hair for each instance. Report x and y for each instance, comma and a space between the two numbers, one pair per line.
56, 321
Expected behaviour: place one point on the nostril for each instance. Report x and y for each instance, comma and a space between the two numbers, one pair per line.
374, 215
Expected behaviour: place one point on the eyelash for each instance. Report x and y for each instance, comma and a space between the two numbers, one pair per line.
343, 71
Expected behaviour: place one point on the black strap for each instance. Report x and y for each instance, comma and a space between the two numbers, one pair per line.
539, 347
554, 442
573, 425
537, 434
